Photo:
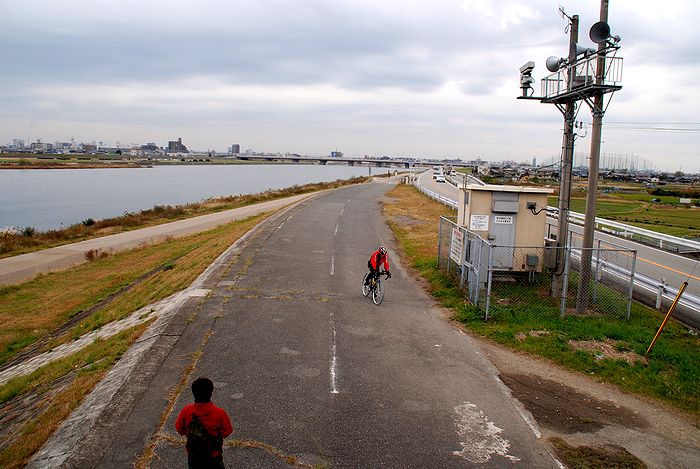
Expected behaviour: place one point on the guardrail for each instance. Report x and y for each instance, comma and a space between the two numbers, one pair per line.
657, 287
434, 195
457, 181
627, 231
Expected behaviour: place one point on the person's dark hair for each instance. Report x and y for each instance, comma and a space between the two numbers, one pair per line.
202, 389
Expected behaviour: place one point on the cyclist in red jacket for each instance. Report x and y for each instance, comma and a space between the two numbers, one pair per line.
375, 261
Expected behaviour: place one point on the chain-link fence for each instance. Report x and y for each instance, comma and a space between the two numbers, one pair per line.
546, 278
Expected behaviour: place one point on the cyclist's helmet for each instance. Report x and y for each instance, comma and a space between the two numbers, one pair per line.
382, 249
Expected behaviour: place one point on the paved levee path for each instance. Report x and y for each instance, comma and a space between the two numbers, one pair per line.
20, 268
310, 371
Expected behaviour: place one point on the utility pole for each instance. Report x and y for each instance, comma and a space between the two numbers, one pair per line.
593, 172
566, 165
573, 80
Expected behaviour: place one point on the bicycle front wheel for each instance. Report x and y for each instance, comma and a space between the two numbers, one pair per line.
365, 285
378, 293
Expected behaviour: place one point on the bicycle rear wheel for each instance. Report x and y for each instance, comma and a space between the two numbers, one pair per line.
378, 293
365, 285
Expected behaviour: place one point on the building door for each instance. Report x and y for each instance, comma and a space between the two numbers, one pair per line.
502, 234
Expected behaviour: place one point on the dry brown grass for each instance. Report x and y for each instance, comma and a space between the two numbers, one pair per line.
414, 215
607, 349
36, 431
33, 309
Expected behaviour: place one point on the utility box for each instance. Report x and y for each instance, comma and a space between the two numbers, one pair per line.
511, 218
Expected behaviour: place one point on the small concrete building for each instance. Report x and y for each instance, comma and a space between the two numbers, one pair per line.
511, 216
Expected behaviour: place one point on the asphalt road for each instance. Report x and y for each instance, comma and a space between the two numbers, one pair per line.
308, 367
21, 268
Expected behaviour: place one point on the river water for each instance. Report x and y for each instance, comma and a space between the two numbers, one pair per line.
51, 198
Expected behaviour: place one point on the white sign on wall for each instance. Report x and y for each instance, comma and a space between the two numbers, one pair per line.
479, 222
503, 220
457, 245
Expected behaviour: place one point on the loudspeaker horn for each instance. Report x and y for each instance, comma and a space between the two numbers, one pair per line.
584, 50
553, 63
600, 32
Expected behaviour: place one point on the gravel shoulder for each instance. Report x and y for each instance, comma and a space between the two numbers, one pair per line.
583, 411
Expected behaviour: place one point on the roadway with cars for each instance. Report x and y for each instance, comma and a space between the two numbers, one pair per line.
307, 367
651, 262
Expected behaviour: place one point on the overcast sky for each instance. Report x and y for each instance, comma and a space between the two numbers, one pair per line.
418, 78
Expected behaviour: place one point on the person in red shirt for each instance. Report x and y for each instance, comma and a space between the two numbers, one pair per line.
214, 419
378, 258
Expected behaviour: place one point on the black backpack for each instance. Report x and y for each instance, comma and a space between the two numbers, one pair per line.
199, 442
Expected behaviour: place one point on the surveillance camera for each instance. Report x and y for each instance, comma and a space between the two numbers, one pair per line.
527, 68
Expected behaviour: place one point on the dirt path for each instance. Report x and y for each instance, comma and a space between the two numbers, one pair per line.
586, 413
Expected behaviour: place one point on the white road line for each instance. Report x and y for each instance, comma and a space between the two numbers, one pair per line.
334, 359
336, 230
333, 264
286, 220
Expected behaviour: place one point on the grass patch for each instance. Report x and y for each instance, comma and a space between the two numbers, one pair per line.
92, 364
668, 216
671, 373
28, 239
33, 309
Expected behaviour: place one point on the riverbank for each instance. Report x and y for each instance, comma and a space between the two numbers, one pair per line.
28, 239
30, 161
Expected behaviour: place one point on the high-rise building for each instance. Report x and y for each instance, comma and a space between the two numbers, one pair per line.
235, 149
177, 146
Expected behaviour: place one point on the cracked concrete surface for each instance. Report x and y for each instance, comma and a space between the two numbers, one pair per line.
147, 353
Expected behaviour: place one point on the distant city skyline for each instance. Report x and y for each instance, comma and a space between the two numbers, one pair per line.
400, 78
610, 161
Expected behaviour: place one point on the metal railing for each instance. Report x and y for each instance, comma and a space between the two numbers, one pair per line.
435, 196
518, 274
584, 73
643, 285
626, 231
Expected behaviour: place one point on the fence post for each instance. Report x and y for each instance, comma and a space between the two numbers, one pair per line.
478, 274
596, 278
439, 242
462, 259
488, 282
659, 294
631, 289
449, 249
565, 283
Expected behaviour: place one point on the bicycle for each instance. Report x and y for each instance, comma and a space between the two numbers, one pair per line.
374, 286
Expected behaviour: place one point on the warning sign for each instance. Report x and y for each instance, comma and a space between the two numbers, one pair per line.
457, 245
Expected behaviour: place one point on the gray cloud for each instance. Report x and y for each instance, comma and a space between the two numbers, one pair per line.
443, 69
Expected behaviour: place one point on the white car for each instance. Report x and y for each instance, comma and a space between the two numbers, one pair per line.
439, 178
